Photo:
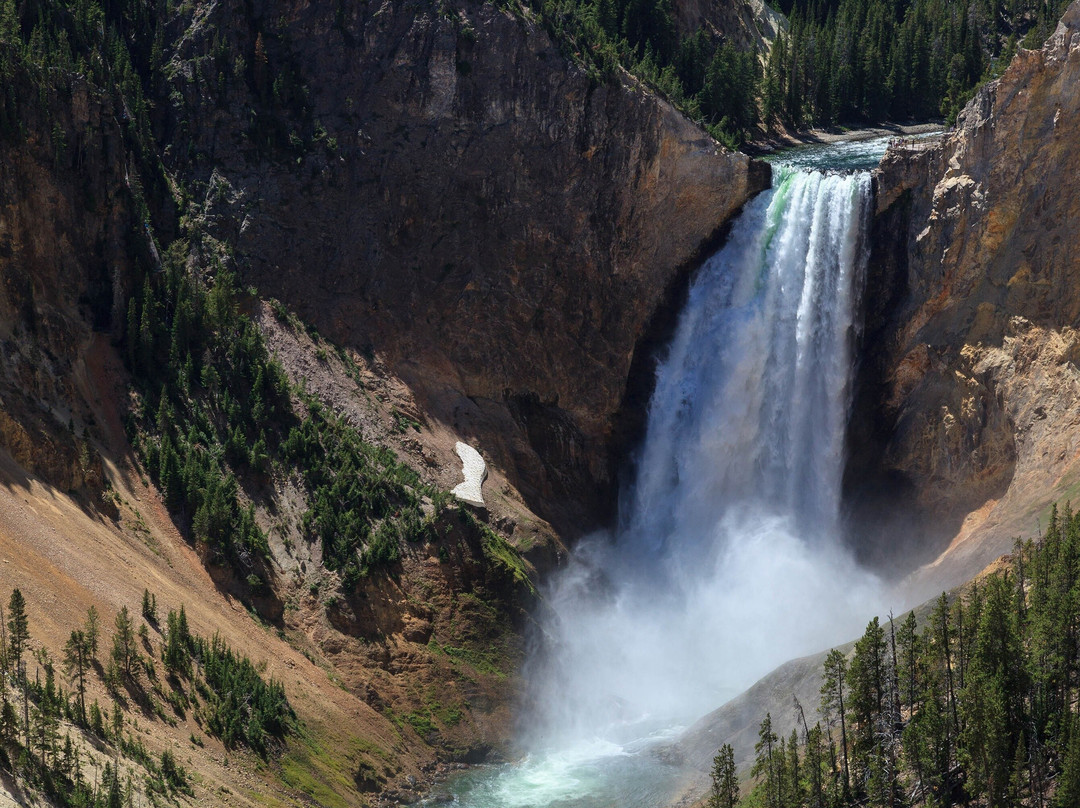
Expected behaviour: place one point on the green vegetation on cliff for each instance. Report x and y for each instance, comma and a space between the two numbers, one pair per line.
840, 61
708, 78
216, 420
976, 706
84, 757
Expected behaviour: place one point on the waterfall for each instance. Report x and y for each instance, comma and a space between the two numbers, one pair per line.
726, 561
751, 403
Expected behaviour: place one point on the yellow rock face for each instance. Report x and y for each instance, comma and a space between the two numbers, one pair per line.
989, 272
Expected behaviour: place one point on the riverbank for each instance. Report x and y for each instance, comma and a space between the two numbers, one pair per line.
837, 134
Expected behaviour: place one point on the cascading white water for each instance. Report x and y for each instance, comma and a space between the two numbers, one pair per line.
726, 561
751, 404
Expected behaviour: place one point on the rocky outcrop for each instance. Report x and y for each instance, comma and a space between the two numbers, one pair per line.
737, 722
748, 24
451, 191
69, 238
965, 421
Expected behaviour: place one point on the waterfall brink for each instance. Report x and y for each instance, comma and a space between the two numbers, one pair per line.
726, 561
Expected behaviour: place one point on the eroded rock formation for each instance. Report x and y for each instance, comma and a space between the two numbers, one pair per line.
966, 394
746, 23
497, 223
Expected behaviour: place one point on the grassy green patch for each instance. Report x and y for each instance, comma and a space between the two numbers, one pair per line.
499, 552
490, 663
327, 778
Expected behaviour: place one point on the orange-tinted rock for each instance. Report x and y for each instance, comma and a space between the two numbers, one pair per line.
970, 378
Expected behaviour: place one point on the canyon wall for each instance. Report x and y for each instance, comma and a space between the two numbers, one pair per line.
497, 235
751, 24
965, 426
69, 240
444, 187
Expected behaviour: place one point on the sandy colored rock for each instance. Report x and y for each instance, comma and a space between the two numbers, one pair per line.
970, 374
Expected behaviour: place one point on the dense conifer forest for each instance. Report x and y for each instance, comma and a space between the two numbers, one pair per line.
974, 705
839, 62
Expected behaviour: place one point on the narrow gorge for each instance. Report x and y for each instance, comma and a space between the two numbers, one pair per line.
731, 526
273, 272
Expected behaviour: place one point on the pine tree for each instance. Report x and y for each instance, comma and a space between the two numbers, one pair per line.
765, 761
9, 21
814, 766
91, 630
117, 723
9, 724
1019, 777
149, 607
46, 732
942, 646
909, 682
1068, 791
867, 682
110, 781
18, 626
76, 662
725, 781
97, 720
773, 86
792, 787
125, 651
176, 654
832, 704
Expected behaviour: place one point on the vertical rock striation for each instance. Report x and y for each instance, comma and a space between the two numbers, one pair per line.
68, 244
496, 222
965, 424
748, 24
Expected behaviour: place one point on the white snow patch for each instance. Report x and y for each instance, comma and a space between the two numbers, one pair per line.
475, 470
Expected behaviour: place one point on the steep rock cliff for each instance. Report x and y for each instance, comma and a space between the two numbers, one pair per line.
965, 426
448, 190
748, 24
67, 219
498, 234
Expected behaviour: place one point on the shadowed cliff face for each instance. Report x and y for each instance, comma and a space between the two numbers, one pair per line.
68, 245
458, 197
965, 425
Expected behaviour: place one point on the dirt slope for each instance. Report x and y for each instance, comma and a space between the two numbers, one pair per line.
65, 560
385, 683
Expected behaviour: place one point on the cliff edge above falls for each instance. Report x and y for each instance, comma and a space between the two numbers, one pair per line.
965, 426
504, 229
